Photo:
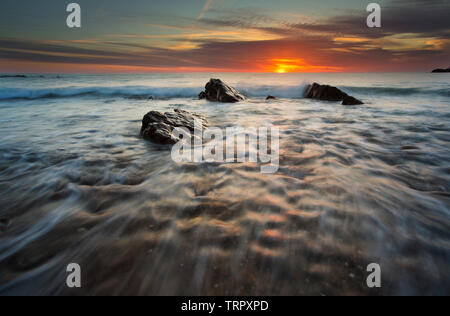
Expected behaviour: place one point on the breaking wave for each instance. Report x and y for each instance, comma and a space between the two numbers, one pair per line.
130, 92
395, 91
142, 92
292, 92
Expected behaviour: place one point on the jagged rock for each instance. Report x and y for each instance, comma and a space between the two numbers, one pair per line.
324, 92
349, 100
329, 93
218, 91
441, 70
158, 126
271, 97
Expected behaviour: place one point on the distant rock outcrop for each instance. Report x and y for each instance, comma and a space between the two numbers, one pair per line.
329, 93
441, 70
158, 126
218, 91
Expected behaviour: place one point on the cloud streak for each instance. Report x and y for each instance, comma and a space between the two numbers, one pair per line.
205, 8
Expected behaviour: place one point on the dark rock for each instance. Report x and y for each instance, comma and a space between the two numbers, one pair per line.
349, 100
324, 92
217, 91
271, 97
151, 98
329, 93
441, 70
158, 126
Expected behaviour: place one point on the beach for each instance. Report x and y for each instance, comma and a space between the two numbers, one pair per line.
355, 185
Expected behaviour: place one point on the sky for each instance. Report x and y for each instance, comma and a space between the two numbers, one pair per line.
223, 36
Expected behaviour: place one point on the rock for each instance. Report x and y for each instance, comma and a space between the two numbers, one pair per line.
324, 92
218, 91
202, 95
271, 97
349, 100
151, 98
158, 126
329, 93
441, 70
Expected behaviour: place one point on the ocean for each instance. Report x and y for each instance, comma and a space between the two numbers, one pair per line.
356, 185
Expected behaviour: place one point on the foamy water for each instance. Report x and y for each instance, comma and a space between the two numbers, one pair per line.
356, 185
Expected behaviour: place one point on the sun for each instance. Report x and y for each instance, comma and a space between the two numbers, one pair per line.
283, 65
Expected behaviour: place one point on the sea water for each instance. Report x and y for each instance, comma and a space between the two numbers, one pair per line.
356, 185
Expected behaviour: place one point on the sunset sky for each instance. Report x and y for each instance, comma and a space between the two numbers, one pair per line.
223, 35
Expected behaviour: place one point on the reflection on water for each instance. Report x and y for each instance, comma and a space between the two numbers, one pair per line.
356, 185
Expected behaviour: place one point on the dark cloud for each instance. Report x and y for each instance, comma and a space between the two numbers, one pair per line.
423, 17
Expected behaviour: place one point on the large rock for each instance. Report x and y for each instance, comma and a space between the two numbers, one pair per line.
329, 93
158, 126
441, 70
349, 100
218, 91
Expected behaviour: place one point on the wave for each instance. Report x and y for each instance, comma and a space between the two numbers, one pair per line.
262, 91
142, 92
127, 92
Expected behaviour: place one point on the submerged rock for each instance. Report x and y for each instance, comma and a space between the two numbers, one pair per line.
158, 126
218, 91
330, 93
